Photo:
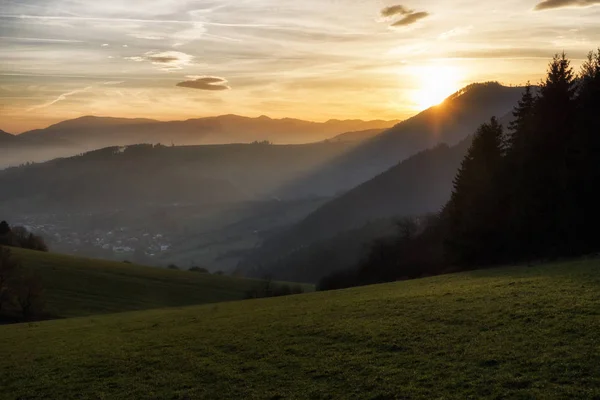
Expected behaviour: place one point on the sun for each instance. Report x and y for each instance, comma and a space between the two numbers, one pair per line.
437, 83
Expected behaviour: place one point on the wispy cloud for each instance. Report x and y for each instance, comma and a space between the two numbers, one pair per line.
146, 36
213, 83
140, 20
550, 4
60, 98
32, 39
166, 60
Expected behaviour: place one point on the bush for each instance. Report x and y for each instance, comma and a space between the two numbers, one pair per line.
172, 266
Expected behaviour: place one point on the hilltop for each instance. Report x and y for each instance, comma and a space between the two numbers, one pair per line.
501, 333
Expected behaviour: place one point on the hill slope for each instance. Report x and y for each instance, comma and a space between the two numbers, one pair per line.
419, 185
77, 286
450, 122
6, 137
137, 175
504, 333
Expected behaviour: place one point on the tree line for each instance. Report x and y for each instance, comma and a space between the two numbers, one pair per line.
522, 193
20, 237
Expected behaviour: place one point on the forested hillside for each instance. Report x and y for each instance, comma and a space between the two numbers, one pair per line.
522, 193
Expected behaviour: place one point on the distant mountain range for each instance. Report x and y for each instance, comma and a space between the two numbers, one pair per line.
249, 172
97, 132
91, 133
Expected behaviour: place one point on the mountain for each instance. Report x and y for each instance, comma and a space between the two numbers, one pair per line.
418, 185
96, 132
450, 122
357, 136
134, 176
6, 137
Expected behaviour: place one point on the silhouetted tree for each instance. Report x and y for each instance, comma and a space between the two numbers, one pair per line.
585, 174
474, 215
4, 228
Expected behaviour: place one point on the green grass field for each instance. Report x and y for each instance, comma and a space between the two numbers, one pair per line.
514, 333
77, 286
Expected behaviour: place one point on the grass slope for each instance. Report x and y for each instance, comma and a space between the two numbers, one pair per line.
519, 333
78, 286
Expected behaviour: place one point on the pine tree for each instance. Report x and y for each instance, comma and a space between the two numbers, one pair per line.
523, 118
474, 214
585, 175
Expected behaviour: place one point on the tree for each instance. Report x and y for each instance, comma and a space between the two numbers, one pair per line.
474, 216
585, 174
517, 174
4, 228
521, 124
551, 207
19, 236
9, 268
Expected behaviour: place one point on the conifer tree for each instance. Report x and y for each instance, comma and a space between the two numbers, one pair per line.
585, 175
474, 213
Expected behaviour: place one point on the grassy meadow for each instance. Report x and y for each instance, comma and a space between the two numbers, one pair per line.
75, 286
516, 333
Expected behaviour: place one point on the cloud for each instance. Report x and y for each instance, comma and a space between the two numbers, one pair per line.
60, 98
410, 19
550, 4
213, 83
34, 39
409, 16
146, 36
394, 10
166, 60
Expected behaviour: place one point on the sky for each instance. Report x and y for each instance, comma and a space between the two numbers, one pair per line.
309, 59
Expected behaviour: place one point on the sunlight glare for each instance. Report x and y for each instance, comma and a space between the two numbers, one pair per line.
437, 83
